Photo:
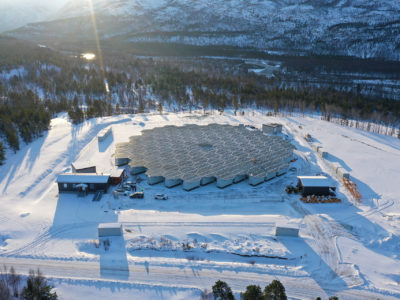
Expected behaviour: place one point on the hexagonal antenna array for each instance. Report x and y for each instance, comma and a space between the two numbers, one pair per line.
195, 155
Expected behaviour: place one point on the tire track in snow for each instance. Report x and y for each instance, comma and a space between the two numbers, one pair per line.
53, 232
46, 236
324, 233
73, 150
184, 276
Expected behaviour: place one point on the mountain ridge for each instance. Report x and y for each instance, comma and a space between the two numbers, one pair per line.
305, 27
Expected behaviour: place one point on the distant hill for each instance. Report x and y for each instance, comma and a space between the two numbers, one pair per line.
301, 27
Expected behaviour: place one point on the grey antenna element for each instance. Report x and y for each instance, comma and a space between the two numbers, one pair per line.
195, 155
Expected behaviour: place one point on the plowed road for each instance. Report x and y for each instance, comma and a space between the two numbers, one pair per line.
184, 277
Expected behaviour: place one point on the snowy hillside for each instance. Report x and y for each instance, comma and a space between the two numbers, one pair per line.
349, 27
230, 231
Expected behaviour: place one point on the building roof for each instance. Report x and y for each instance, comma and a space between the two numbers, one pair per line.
314, 181
105, 131
82, 178
273, 124
117, 172
83, 165
286, 224
109, 225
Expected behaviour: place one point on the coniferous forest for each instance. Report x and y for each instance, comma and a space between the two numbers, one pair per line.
38, 82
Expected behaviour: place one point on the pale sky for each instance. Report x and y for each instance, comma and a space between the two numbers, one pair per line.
30, 2
16, 13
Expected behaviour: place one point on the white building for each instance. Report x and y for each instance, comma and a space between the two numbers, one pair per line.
272, 128
109, 229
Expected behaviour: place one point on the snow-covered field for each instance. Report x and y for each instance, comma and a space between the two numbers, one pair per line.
176, 248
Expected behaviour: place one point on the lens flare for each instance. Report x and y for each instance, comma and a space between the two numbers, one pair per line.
88, 56
96, 36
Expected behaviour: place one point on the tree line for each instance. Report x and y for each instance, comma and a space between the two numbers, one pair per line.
36, 286
196, 89
190, 84
273, 291
22, 115
94, 108
127, 85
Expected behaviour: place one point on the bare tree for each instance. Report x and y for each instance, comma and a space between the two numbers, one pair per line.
4, 288
4, 291
206, 295
14, 281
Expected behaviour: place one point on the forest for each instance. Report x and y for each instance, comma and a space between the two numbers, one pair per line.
36, 83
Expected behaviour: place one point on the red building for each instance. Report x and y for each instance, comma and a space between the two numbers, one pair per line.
117, 176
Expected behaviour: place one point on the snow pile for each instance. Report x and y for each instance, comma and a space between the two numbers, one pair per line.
213, 243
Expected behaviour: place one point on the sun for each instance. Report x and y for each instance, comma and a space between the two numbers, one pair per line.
88, 56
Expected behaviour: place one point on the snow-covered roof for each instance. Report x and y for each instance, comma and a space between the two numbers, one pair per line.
273, 124
117, 172
287, 224
105, 131
314, 181
82, 178
83, 164
109, 225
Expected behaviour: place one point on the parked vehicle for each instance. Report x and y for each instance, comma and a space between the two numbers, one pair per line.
130, 183
120, 190
126, 185
137, 195
161, 197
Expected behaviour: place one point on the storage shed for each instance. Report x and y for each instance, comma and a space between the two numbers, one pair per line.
121, 161
83, 167
103, 134
73, 182
272, 128
117, 176
314, 185
286, 230
109, 229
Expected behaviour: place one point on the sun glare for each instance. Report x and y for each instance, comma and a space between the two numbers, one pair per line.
96, 35
88, 56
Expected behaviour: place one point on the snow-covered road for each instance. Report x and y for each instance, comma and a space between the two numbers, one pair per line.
185, 276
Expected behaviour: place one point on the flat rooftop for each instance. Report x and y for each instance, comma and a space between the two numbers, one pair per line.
117, 172
83, 165
109, 225
82, 178
315, 181
273, 124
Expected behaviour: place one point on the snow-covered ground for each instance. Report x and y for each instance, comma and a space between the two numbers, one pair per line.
176, 248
